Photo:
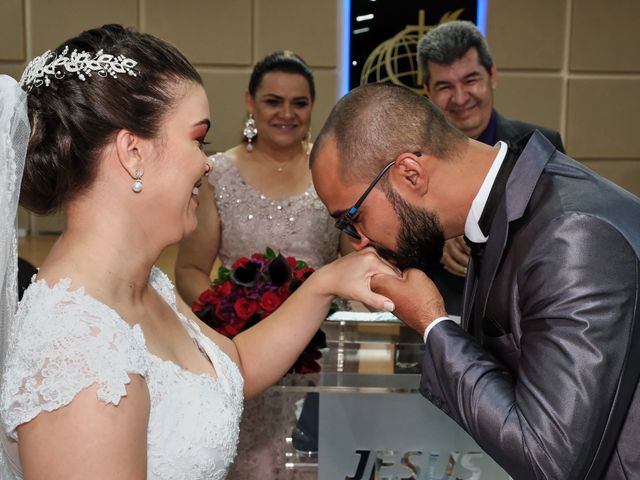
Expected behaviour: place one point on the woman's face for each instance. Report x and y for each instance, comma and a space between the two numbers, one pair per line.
281, 108
181, 162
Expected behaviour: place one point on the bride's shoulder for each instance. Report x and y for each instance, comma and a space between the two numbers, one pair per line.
59, 308
53, 293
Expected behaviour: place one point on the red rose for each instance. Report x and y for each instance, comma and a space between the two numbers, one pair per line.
244, 308
231, 330
303, 274
224, 289
196, 306
208, 296
239, 262
292, 263
306, 362
283, 291
219, 312
270, 301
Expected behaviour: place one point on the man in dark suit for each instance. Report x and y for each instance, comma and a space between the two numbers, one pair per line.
459, 76
543, 372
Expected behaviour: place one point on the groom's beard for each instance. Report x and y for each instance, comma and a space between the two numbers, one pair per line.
420, 239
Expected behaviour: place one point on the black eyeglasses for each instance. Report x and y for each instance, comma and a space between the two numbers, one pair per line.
344, 223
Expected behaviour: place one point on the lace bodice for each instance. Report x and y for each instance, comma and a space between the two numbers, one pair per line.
297, 226
68, 341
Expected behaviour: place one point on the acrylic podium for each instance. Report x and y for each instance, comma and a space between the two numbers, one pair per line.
372, 423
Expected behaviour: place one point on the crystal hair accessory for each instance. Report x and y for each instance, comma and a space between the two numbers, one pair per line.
42, 69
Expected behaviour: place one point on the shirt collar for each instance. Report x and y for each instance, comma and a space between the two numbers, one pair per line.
471, 227
489, 134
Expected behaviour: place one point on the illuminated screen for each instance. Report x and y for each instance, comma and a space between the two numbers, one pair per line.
381, 38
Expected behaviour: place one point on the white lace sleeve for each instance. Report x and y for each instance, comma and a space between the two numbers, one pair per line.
68, 342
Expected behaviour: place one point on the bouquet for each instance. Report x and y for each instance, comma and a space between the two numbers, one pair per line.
251, 290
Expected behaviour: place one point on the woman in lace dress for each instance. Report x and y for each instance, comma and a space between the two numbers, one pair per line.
105, 371
261, 195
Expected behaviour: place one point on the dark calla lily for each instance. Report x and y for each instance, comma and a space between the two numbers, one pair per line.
280, 271
246, 275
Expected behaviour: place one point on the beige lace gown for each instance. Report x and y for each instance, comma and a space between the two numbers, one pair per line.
298, 226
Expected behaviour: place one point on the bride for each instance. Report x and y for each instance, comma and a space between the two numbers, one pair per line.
105, 371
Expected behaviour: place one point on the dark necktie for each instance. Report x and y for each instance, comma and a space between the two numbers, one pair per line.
477, 250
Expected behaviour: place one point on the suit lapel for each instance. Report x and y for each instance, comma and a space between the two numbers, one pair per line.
468, 294
518, 192
490, 262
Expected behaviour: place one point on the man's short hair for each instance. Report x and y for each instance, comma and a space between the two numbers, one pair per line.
449, 42
375, 123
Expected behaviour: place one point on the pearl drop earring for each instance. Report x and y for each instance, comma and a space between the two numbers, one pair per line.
137, 184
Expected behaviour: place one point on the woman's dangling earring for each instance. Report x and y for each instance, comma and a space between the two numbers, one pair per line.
306, 143
137, 183
250, 131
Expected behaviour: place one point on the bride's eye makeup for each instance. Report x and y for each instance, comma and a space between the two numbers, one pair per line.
200, 132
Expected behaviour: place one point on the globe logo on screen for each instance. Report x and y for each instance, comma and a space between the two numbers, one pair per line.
396, 59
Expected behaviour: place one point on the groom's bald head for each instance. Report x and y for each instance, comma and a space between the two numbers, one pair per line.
373, 124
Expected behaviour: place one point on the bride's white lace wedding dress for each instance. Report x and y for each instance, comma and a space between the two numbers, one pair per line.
68, 341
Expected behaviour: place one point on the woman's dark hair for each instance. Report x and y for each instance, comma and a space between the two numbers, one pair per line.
72, 119
281, 61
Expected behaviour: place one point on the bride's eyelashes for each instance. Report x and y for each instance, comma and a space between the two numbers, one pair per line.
202, 142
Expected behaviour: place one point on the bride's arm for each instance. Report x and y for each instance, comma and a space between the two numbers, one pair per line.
88, 438
267, 350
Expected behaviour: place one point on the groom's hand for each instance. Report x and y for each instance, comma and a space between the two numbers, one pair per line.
417, 300
455, 256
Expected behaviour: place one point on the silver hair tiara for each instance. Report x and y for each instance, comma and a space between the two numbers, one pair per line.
41, 70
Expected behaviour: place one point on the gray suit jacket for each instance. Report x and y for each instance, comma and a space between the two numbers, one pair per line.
557, 340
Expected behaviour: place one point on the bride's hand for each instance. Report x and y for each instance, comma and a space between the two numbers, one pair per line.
350, 277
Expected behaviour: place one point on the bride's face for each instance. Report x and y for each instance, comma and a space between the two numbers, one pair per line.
177, 172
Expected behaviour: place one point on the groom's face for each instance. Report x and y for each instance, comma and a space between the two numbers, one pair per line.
406, 235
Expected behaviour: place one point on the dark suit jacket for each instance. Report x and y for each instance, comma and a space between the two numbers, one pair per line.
510, 131
557, 311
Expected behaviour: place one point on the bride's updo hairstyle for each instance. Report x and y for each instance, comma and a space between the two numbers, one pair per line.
73, 119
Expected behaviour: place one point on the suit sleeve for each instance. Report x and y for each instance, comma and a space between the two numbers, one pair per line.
578, 296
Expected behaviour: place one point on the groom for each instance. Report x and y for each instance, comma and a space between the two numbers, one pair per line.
543, 372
